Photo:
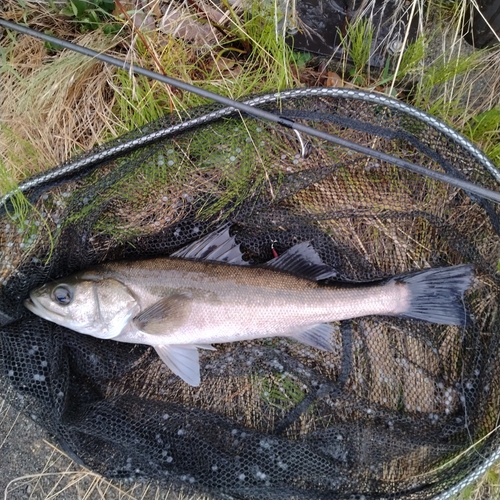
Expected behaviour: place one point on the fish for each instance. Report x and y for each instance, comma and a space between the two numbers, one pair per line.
206, 293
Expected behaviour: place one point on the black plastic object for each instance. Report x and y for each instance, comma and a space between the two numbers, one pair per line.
322, 24
401, 408
482, 23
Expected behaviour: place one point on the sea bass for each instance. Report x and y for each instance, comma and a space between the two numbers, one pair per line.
206, 293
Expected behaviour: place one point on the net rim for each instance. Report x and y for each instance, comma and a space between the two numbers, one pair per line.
72, 167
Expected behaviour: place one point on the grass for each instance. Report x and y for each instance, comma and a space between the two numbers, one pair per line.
281, 392
438, 72
357, 42
56, 104
248, 58
484, 127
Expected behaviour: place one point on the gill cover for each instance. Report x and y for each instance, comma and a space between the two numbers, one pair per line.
115, 307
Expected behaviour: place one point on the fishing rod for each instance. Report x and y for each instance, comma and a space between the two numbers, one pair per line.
247, 108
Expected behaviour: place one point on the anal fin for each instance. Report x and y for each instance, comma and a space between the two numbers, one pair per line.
318, 336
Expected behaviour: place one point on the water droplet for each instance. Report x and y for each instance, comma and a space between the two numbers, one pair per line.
264, 444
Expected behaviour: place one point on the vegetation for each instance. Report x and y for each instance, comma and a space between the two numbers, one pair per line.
55, 103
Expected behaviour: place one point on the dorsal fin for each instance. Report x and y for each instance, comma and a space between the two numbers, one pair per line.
217, 246
303, 260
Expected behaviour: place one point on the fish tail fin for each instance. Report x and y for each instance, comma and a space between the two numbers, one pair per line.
437, 295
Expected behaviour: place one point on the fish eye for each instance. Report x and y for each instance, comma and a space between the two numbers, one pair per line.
62, 295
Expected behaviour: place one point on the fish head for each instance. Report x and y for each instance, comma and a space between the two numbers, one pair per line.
85, 303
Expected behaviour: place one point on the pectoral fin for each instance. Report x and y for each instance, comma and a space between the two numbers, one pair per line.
164, 315
183, 360
318, 336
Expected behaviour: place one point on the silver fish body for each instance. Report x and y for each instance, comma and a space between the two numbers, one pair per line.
210, 303
179, 305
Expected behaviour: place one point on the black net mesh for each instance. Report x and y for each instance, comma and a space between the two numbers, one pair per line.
402, 409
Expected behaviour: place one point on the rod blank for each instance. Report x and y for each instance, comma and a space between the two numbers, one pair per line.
467, 186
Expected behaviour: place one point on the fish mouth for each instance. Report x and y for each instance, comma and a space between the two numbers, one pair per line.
29, 304
29, 301
36, 308
33, 306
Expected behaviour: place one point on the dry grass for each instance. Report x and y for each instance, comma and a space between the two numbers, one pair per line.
62, 479
51, 111
57, 103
